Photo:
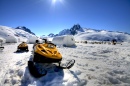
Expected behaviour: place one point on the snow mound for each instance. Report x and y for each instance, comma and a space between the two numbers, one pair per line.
66, 40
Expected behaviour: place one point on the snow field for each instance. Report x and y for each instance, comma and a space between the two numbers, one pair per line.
96, 65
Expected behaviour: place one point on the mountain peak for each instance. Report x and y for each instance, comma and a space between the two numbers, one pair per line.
75, 29
25, 29
51, 35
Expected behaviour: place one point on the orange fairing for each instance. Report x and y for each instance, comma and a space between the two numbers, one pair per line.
47, 50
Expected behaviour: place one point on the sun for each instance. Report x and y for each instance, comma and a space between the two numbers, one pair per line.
55, 1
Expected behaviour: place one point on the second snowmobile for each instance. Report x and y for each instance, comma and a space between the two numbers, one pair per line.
22, 47
47, 53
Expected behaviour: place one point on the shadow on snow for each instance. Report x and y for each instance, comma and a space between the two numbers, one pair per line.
54, 75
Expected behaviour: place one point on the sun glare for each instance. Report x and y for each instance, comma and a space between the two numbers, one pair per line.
54, 1
57, 3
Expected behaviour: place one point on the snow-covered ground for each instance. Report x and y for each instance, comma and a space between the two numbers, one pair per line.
96, 65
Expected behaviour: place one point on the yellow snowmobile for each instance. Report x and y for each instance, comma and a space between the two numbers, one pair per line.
22, 47
46, 53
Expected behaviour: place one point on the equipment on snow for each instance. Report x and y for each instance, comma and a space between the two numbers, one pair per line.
47, 53
1, 47
22, 47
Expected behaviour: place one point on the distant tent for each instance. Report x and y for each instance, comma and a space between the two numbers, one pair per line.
67, 40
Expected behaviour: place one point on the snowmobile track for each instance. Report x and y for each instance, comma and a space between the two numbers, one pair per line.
33, 71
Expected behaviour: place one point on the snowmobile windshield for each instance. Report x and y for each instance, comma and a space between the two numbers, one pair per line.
51, 46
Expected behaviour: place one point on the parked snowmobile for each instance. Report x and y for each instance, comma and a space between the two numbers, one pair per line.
47, 53
22, 47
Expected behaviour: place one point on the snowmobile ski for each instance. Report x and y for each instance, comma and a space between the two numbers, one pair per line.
67, 65
1, 48
21, 51
39, 72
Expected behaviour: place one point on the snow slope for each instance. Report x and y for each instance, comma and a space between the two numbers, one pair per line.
14, 35
96, 65
102, 36
25, 29
82, 34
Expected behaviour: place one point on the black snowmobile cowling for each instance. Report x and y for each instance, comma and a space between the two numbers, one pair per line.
46, 53
22, 46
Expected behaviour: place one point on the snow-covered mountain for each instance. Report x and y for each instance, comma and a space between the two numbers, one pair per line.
102, 35
72, 31
25, 29
13, 35
50, 35
22, 33
93, 34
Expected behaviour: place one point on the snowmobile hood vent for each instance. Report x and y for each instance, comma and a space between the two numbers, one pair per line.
50, 51
55, 52
43, 51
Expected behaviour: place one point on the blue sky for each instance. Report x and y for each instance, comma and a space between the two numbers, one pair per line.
45, 16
